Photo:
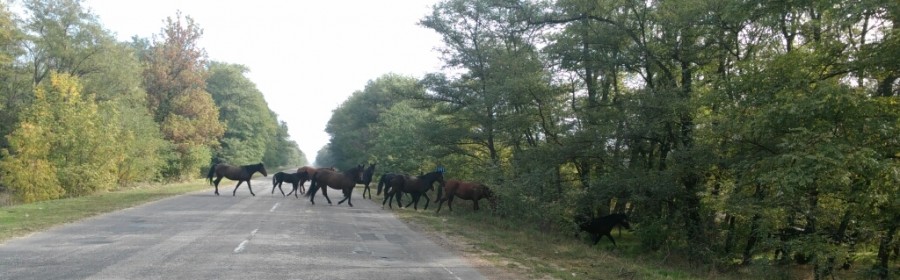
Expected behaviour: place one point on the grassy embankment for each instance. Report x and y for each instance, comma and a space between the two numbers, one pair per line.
526, 250
22, 219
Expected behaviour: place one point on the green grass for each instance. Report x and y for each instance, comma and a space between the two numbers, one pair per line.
22, 219
525, 249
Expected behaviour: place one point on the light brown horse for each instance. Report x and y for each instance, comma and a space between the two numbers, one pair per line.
306, 173
465, 190
345, 182
239, 173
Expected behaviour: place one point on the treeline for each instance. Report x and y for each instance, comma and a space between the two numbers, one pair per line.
81, 112
736, 132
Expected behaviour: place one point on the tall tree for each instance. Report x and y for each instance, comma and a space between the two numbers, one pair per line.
283, 151
14, 85
250, 125
175, 80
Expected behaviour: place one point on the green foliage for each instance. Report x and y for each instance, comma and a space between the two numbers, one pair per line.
251, 127
351, 124
719, 127
81, 160
283, 151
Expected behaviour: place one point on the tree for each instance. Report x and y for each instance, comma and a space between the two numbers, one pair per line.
351, 124
63, 137
175, 79
283, 151
14, 86
251, 127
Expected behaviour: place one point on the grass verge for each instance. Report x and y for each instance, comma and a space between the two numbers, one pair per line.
22, 219
523, 249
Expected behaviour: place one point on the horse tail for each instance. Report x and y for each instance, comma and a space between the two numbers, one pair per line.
380, 185
274, 179
209, 175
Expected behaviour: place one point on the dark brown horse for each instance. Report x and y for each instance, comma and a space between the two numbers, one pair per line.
367, 179
281, 177
345, 182
306, 173
465, 190
239, 173
414, 185
384, 182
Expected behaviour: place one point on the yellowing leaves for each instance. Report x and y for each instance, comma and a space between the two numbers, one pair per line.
61, 147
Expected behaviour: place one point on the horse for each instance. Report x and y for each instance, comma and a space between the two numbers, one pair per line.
414, 185
465, 190
345, 181
599, 227
239, 173
306, 173
367, 179
384, 184
280, 177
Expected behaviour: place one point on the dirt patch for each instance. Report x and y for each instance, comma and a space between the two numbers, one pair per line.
478, 258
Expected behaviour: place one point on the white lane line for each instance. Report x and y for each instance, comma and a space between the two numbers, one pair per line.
240, 247
451, 272
243, 245
273, 207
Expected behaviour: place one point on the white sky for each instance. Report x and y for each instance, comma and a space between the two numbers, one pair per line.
306, 57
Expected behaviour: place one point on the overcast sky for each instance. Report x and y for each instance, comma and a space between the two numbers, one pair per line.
306, 57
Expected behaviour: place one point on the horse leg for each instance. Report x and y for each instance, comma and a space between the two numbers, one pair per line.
595, 237
249, 187
346, 197
611, 239
440, 202
426, 200
415, 198
234, 193
294, 184
216, 182
475, 201
387, 196
349, 193
293, 191
365, 190
450, 202
325, 193
399, 195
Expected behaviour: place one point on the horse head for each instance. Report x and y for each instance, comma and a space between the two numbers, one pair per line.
436, 176
356, 173
624, 221
262, 169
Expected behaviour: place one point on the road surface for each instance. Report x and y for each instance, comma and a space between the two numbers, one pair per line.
203, 236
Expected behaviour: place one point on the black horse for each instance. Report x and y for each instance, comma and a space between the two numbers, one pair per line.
367, 179
414, 185
599, 227
239, 173
281, 177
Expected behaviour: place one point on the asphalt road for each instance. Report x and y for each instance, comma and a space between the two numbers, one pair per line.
202, 236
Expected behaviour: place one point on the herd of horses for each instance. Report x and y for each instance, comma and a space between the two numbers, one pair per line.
394, 185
